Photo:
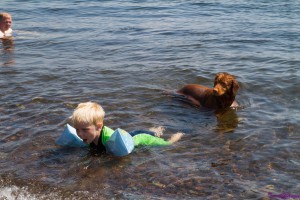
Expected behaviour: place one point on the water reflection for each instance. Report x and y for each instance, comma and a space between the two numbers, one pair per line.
7, 52
227, 120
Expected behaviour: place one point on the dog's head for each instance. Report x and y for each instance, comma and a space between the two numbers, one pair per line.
225, 84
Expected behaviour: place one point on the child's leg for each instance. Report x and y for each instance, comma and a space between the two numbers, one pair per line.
176, 137
133, 133
158, 130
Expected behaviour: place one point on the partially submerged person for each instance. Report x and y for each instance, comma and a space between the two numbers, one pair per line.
88, 120
5, 25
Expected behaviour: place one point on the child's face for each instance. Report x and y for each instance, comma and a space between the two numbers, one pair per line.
88, 133
6, 23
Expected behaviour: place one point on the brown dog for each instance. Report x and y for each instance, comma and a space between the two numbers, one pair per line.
221, 96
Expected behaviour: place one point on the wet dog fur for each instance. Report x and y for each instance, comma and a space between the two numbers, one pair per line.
222, 95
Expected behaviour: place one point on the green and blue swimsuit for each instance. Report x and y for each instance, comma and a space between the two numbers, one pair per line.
140, 138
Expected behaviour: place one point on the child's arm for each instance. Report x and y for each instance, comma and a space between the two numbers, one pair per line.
149, 140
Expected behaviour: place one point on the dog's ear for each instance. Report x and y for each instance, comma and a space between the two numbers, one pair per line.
234, 87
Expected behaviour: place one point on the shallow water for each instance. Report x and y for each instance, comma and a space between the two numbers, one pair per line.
125, 55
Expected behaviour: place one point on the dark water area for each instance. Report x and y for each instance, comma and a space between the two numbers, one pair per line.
125, 55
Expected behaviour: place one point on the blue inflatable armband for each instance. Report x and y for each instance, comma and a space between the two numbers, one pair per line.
120, 143
69, 138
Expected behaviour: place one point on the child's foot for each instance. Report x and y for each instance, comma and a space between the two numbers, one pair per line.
158, 131
176, 137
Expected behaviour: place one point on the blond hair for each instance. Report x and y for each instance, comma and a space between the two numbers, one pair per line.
88, 113
4, 15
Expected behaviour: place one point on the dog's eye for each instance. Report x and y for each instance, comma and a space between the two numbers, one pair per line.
225, 84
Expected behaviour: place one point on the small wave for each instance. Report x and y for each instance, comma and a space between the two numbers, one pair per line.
14, 192
22, 34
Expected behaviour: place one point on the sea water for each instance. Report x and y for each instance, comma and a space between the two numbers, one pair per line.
125, 55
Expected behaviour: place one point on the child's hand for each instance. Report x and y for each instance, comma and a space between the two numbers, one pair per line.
176, 137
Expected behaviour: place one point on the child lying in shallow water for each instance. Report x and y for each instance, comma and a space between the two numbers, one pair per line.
88, 120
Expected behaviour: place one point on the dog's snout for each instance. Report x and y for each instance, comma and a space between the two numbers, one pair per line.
215, 90
218, 90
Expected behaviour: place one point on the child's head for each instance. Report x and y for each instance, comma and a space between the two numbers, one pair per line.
5, 21
88, 113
